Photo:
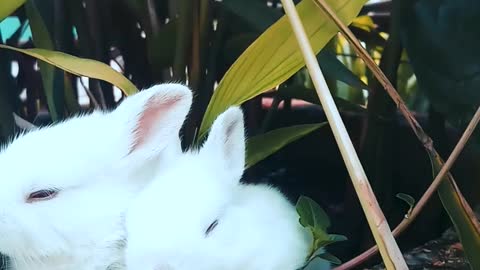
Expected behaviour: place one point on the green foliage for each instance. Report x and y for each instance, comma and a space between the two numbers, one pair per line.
468, 232
409, 200
274, 56
250, 54
313, 218
80, 66
261, 146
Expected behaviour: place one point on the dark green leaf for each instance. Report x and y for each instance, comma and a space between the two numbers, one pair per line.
328, 257
254, 12
262, 146
332, 67
52, 80
406, 198
461, 216
311, 214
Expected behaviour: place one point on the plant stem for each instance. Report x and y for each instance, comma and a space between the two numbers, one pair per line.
426, 196
462, 205
388, 247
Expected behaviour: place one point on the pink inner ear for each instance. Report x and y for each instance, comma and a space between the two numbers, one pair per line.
150, 118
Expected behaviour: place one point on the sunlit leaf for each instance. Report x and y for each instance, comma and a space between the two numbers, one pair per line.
274, 56
8, 7
80, 66
261, 146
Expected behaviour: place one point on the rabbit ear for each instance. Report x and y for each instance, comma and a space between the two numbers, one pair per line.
226, 141
153, 118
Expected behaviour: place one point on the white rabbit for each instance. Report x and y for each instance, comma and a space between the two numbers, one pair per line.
64, 189
197, 215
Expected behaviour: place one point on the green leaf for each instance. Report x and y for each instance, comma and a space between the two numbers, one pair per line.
274, 56
311, 214
261, 146
8, 7
81, 67
250, 10
328, 257
460, 215
406, 198
332, 67
52, 79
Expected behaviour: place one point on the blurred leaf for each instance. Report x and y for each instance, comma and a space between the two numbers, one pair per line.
468, 231
54, 91
8, 7
254, 12
442, 41
261, 146
372, 38
81, 67
274, 56
7, 124
161, 46
364, 22
311, 214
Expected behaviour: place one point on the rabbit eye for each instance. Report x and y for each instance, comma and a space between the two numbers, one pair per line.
41, 195
211, 227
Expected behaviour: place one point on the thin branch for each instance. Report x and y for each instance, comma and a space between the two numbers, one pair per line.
417, 129
387, 85
426, 196
383, 236
90, 94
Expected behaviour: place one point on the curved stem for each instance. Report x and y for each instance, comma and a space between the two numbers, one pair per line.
426, 196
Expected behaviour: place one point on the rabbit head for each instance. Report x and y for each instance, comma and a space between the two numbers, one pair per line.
197, 215
64, 188
177, 211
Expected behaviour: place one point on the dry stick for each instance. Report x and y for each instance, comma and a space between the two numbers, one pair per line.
426, 196
387, 85
389, 250
417, 129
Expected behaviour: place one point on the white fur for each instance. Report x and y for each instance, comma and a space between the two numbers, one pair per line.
94, 161
257, 229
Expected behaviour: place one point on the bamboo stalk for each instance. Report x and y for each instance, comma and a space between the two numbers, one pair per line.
414, 125
389, 250
425, 197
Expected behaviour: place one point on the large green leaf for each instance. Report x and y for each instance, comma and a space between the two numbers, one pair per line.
468, 231
262, 146
81, 67
274, 56
7, 7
